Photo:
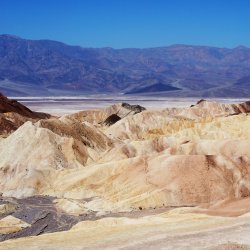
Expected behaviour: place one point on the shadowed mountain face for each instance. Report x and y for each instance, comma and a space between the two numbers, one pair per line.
14, 114
8, 105
46, 67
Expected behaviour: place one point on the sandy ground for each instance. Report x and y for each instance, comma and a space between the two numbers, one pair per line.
162, 231
206, 239
222, 226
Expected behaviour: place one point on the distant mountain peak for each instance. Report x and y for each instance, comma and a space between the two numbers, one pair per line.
241, 47
47, 67
10, 36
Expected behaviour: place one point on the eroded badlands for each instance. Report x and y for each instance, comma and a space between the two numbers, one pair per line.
124, 177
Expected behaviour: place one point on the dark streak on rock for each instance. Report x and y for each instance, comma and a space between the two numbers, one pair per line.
112, 119
134, 108
40, 212
210, 161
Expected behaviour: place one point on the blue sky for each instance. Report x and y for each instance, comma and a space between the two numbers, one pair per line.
129, 23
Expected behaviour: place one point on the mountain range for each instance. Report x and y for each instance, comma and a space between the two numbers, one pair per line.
45, 68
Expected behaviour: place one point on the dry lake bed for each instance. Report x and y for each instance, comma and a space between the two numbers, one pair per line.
64, 105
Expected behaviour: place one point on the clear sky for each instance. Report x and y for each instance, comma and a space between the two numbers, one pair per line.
129, 23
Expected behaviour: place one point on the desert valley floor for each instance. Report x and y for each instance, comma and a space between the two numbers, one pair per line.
141, 174
62, 105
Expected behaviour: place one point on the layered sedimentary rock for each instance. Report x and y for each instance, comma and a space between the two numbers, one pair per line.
95, 117
171, 120
177, 229
10, 224
8, 105
147, 159
31, 156
14, 114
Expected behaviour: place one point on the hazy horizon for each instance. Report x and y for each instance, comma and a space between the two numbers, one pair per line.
163, 46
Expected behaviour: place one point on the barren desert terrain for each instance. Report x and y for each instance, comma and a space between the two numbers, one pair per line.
125, 176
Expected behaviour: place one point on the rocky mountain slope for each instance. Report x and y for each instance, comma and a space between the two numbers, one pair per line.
46, 67
141, 152
172, 174
13, 114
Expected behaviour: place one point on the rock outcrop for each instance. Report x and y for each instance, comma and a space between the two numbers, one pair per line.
138, 161
14, 114
7, 105
146, 160
112, 119
121, 110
